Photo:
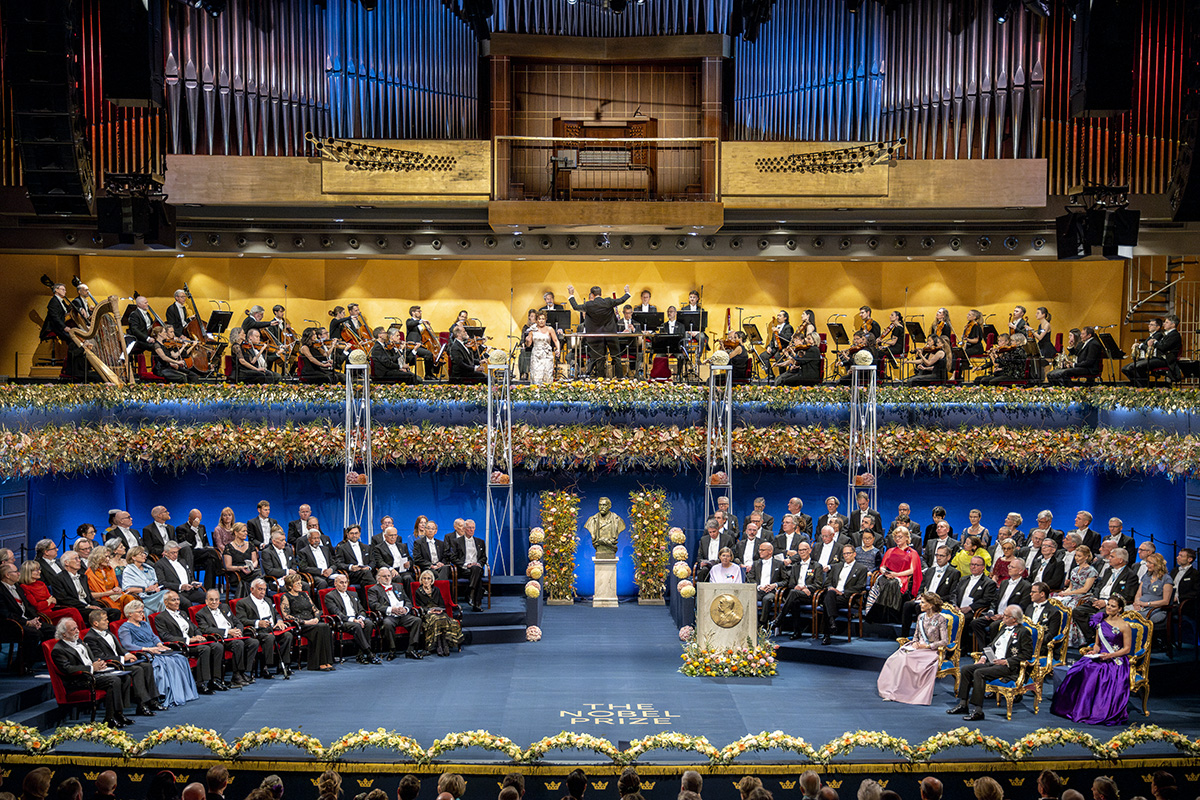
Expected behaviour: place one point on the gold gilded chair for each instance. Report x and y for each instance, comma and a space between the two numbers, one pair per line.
948, 656
1049, 659
1139, 656
1027, 678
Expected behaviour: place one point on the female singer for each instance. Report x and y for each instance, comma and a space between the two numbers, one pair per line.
932, 362
544, 350
972, 337
316, 363
1095, 690
941, 324
909, 674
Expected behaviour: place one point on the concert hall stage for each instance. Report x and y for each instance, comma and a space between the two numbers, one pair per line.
610, 673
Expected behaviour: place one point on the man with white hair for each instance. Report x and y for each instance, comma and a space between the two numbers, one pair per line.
257, 617
1001, 660
79, 670
1116, 578
174, 574
1013, 590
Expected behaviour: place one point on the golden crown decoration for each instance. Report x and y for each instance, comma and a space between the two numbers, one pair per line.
136, 777
882, 784
181, 779
787, 784
1191, 777
90, 776
1017, 781
365, 783
1148, 778
313, 781
650, 784
969, 783
554, 786
599, 786
834, 784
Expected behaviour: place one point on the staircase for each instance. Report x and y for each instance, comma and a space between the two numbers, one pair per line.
1151, 290
504, 621
30, 701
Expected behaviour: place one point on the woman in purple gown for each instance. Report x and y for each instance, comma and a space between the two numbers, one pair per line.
1095, 690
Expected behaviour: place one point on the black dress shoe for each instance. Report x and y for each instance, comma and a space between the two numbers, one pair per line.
373, 659
266, 675
205, 688
413, 654
124, 720
218, 685
144, 711
237, 682
118, 722
960, 708
976, 716
156, 705
361, 658
826, 640
476, 607
391, 656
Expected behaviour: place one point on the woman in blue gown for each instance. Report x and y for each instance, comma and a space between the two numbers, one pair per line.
1095, 690
171, 671
139, 578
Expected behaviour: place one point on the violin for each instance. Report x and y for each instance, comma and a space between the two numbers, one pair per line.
886, 339
968, 330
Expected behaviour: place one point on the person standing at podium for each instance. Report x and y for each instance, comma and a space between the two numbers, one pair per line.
599, 314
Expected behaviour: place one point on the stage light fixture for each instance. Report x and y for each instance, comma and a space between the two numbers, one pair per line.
464, 243
185, 239
518, 242
927, 243
627, 243
1039, 8
735, 243
984, 242
602, 242
709, 242
654, 242
1038, 243
546, 242
270, 242
681, 243
489, 242
790, 244
242, 241
1072, 8
844, 244
354, 243
764, 243
436, 244
381, 242
572, 242
408, 243
326, 241
873, 243
1011, 242
817, 243
955, 243
214, 239
899, 243
1002, 9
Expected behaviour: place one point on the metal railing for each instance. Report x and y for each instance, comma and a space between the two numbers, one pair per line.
568, 168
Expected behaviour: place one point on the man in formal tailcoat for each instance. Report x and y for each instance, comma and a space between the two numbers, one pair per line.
1002, 660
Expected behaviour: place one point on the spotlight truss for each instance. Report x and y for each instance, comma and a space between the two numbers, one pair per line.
375, 158
844, 160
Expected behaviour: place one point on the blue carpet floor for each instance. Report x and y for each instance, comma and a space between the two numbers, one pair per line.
611, 673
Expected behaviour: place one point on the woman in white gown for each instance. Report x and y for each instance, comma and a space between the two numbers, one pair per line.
544, 344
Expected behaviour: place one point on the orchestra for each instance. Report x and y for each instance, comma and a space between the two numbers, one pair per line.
180, 347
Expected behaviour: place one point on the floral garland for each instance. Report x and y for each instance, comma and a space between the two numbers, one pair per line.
173, 448
615, 395
649, 516
32, 742
560, 521
755, 660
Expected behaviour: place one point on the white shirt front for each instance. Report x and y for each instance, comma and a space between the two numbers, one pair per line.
1107, 588
262, 607
221, 620
356, 548
714, 548
78, 647
764, 573
283, 562
181, 621
472, 557
398, 561
1000, 646
974, 579
750, 548
936, 581
394, 601
319, 557
179, 571
845, 576
347, 603
108, 637
825, 557
433, 554
1008, 590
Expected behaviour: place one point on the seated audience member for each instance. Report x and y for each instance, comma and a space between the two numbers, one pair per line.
298, 610
218, 622
909, 674
439, 630
350, 617
171, 673
175, 627
174, 575
1001, 660
106, 647
257, 617
390, 603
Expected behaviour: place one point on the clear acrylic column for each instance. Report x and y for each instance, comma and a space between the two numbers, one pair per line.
860, 465
357, 509
499, 468
718, 460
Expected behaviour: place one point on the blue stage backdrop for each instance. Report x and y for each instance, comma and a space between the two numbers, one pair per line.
1150, 506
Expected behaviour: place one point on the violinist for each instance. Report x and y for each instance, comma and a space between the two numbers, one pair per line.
891, 338
781, 339
338, 315
315, 363
254, 319
464, 362
972, 336
177, 315
168, 357
808, 323
1089, 360
800, 364
862, 340
1008, 359
866, 324
387, 360
414, 326
459, 321
1017, 322
941, 327
739, 359
335, 348
250, 359
933, 361
141, 323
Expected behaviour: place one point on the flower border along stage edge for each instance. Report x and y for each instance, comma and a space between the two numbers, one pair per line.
32, 742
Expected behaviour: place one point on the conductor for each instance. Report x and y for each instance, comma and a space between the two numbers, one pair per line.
601, 318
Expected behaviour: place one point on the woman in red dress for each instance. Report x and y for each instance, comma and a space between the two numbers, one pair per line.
39, 596
899, 575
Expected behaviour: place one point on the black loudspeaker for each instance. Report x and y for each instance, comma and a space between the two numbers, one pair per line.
133, 218
41, 65
132, 59
1071, 236
1103, 43
1184, 189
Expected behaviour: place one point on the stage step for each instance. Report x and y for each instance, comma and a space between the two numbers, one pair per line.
494, 634
485, 618
46, 715
859, 655
508, 586
23, 693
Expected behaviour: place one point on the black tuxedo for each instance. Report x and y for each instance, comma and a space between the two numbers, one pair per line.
983, 594
381, 556
946, 588
242, 649
976, 676
273, 566
1166, 354
1051, 620
344, 559
294, 533
75, 674
176, 318
306, 562
740, 552
272, 642
856, 520
463, 362
600, 317
1089, 361
731, 524
777, 574
1186, 588
142, 685
830, 599
1055, 574
931, 532
835, 548
421, 557
387, 366
153, 539
782, 546
768, 522
1091, 539
203, 555
1126, 584
823, 520
51, 569
347, 619
258, 532
118, 533
140, 329
388, 623
985, 623
64, 591
209, 655
474, 573
1124, 541
933, 544
19, 611
168, 578
812, 579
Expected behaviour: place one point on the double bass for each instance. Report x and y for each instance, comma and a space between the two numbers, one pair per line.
199, 359
359, 336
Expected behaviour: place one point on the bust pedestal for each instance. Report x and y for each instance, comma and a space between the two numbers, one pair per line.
726, 614
606, 583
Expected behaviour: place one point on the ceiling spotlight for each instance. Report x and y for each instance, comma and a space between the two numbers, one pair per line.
844, 244
900, 243
436, 244
572, 242
270, 242
817, 243
518, 242
984, 242
489, 242
407, 243
242, 241
546, 242
955, 243
1011, 242
382, 242
735, 243
1002, 9
681, 243
873, 243
298, 242
326, 241
927, 243
1038, 243
354, 243
709, 242
764, 243
654, 242
1039, 8
185, 239
602, 242
627, 243
790, 244
214, 239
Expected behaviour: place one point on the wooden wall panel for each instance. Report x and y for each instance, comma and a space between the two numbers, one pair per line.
744, 175
470, 174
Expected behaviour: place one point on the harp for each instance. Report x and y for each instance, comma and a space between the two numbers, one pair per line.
103, 343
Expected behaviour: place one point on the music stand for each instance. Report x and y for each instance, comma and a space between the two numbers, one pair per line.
989, 328
559, 320
218, 322
837, 332
649, 320
474, 331
1112, 351
694, 320
129, 309
915, 332
666, 343
958, 356
752, 334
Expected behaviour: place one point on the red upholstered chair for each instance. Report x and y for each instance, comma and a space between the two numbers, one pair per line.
991, 340
228, 368
447, 596
301, 641
72, 698
144, 372
953, 340
821, 361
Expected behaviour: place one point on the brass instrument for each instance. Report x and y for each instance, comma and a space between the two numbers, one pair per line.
104, 345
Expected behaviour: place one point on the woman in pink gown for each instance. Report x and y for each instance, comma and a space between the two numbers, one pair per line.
910, 672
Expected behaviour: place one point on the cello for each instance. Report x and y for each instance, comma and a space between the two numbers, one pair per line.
199, 358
